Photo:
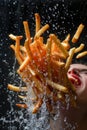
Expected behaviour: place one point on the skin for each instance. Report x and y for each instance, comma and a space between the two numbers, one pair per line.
76, 118
78, 76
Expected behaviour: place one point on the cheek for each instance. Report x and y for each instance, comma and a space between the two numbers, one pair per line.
84, 79
85, 76
82, 90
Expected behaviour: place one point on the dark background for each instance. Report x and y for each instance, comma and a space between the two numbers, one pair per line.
63, 16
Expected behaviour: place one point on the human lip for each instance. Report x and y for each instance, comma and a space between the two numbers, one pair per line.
74, 78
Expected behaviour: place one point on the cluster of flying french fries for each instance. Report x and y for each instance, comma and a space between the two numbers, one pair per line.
44, 66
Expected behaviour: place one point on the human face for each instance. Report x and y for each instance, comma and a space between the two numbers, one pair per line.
77, 73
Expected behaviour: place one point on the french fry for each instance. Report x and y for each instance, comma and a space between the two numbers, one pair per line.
60, 96
12, 47
37, 17
13, 37
80, 48
36, 92
82, 54
67, 38
65, 43
43, 67
22, 48
41, 47
27, 31
34, 66
58, 63
33, 78
24, 64
27, 46
69, 59
25, 98
38, 84
78, 33
41, 31
20, 54
17, 50
22, 97
37, 106
57, 86
22, 106
49, 43
16, 89
60, 46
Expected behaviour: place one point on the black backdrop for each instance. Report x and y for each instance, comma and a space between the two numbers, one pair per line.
63, 16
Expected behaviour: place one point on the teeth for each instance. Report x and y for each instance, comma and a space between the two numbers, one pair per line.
76, 82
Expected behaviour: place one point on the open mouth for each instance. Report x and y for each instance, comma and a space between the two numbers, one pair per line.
74, 78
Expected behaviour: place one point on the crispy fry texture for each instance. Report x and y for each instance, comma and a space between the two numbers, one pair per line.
16, 88
45, 65
78, 33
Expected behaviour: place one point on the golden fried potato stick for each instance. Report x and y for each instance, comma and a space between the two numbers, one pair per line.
58, 56
57, 86
26, 99
30, 59
27, 46
65, 43
67, 38
69, 59
20, 54
37, 17
78, 33
17, 50
80, 48
38, 84
17, 89
36, 92
22, 48
60, 46
67, 81
37, 106
36, 46
59, 64
12, 47
27, 31
49, 43
13, 37
32, 73
24, 64
22, 105
60, 96
49, 57
41, 47
41, 31
22, 97
80, 55
33, 77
